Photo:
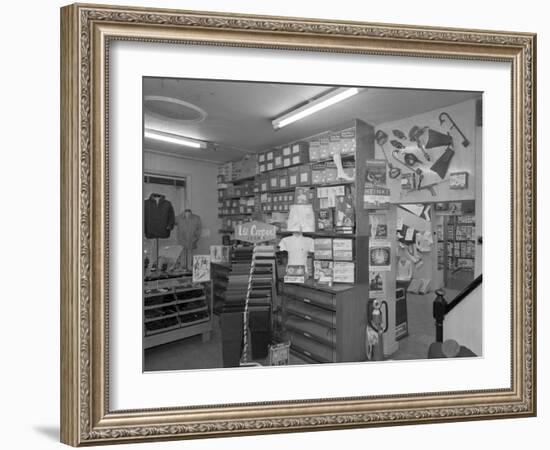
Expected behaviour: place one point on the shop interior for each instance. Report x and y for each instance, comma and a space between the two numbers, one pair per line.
301, 224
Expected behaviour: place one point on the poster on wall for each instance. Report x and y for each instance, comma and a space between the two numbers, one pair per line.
201, 268
376, 195
375, 172
376, 284
380, 256
378, 226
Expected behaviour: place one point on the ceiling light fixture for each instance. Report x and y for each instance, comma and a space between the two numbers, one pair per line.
329, 99
174, 139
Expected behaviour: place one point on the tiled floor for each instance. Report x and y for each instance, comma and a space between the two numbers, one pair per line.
421, 327
192, 353
185, 354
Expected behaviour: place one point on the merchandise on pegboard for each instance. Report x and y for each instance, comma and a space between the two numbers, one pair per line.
378, 226
344, 219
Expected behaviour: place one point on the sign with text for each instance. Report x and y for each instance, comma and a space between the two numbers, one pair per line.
255, 232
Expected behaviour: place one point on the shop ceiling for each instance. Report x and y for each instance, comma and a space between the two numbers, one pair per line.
239, 114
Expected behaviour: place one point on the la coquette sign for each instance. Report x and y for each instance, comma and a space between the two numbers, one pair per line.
255, 232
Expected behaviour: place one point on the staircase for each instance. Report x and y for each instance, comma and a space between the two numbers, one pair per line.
460, 319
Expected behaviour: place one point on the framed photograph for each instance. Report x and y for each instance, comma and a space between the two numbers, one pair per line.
181, 130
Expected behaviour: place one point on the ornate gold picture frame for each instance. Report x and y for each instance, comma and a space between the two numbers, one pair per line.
87, 31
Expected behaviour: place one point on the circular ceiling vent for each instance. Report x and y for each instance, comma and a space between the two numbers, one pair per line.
173, 108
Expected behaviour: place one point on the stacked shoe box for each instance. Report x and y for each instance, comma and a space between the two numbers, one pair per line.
260, 299
231, 321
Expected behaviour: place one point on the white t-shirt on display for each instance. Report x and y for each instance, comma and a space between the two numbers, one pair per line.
297, 247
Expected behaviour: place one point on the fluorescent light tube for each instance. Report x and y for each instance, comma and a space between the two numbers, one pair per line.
173, 139
314, 106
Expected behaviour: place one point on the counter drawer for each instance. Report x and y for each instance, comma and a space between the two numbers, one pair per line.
310, 312
311, 330
313, 296
311, 348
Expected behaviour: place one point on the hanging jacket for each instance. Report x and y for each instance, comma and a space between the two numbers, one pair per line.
158, 216
189, 230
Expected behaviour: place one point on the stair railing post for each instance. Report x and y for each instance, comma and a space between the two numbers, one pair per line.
439, 311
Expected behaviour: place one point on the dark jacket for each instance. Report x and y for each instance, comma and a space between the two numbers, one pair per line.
158, 216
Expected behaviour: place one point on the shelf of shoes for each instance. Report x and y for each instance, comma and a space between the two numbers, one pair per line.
176, 310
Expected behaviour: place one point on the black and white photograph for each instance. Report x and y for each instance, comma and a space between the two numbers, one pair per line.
326, 224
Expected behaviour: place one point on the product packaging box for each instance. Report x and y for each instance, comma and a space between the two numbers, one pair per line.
295, 274
318, 173
342, 249
344, 220
283, 178
293, 176
302, 195
347, 141
349, 168
265, 198
236, 171
305, 175
219, 253
248, 166
273, 180
323, 271
343, 272
324, 220
300, 148
230, 191
338, 191
264, 182
331, 173
322, 192
277, 158
314, 149
300, 153
334, 143
324, 146
225, 171
323, 248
